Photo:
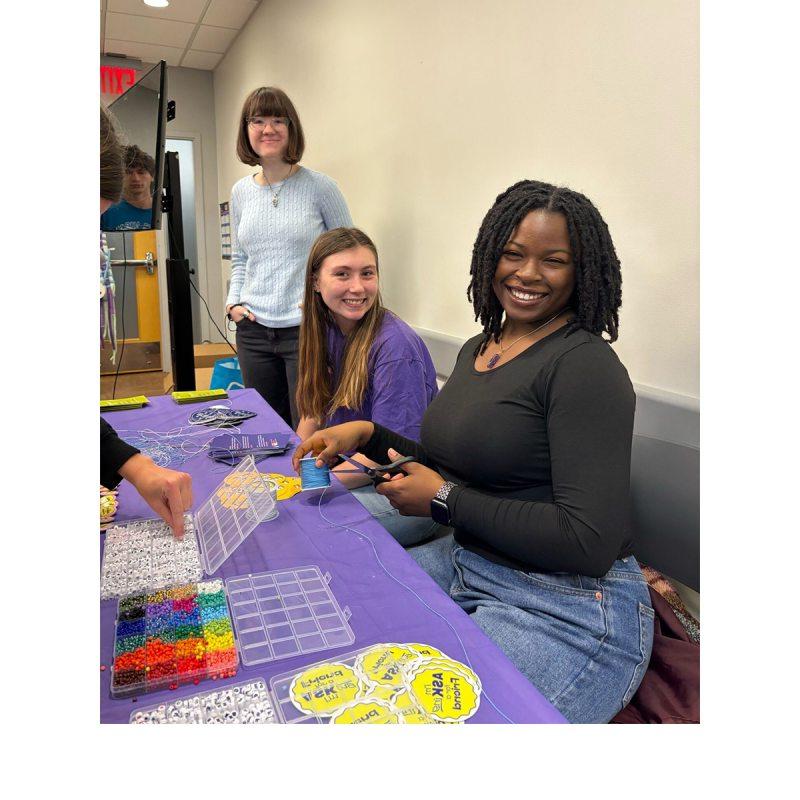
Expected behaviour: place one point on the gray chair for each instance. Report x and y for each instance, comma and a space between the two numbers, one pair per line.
665, 484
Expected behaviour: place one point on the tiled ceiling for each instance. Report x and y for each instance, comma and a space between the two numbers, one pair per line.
187, 33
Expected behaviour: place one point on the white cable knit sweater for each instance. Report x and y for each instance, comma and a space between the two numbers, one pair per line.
270, 244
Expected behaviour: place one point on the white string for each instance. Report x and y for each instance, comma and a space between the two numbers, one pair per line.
408, 588
175, 446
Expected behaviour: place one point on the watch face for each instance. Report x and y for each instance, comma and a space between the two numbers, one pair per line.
439, 512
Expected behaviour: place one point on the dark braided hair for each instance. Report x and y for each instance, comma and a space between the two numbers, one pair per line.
598, 282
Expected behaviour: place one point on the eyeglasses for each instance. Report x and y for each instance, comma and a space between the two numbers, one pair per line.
259, 123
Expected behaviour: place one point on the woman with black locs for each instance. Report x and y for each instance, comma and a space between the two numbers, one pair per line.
525, 453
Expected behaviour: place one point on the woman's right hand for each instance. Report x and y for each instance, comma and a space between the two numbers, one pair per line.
329, 442
238, 313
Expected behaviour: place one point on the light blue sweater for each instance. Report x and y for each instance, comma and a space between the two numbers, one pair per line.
270, 244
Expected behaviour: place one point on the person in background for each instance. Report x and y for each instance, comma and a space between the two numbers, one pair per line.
166, 491
276, 214
526, 454
359, 361
135, 210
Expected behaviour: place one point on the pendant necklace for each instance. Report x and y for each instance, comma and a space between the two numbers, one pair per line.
276, 195
492, 362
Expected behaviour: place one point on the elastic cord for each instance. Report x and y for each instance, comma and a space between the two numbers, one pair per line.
408, 588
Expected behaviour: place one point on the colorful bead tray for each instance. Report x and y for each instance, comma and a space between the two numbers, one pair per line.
286, 613
245, 703
143, 555
172, 636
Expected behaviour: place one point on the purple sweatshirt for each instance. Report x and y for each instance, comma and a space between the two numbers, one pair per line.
402, 380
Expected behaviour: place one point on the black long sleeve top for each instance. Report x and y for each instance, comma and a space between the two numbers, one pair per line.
539, 449
114, 452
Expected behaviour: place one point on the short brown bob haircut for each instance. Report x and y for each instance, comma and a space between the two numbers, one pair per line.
136, 158
267, 101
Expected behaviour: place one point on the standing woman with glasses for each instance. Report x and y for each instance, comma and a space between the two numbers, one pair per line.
276, 214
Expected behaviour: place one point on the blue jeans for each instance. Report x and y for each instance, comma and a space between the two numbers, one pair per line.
585, 643
406, 530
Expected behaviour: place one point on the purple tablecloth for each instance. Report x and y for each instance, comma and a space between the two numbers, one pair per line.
382, 610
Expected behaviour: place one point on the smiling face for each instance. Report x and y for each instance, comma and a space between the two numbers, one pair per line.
535, 276
269, 136
348, 284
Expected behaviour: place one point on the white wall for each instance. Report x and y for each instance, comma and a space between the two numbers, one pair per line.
424, 111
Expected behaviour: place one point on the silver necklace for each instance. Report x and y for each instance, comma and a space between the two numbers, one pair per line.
492, 362
276, 195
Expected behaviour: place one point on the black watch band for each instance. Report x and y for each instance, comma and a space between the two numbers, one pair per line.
235, 305
439, 511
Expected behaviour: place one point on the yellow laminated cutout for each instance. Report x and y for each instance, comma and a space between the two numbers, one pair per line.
324, 688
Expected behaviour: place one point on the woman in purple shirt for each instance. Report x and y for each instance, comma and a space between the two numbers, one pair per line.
359, 361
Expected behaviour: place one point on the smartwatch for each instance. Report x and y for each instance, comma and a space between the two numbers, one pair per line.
439, 511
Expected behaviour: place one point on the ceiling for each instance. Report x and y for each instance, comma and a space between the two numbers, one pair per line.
187, 33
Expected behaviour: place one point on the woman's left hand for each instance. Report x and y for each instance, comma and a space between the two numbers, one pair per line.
411, 493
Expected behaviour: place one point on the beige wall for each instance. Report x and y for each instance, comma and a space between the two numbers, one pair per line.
423, 111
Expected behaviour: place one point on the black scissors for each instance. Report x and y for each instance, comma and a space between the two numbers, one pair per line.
375, 474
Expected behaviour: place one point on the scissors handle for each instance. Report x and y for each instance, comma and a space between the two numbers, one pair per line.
376, 473
392, 469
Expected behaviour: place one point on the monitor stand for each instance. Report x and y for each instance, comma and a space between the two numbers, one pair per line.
179, 299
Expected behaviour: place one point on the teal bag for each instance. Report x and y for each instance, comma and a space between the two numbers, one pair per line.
226, 375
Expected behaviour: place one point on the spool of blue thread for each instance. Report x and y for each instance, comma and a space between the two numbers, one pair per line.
312, 476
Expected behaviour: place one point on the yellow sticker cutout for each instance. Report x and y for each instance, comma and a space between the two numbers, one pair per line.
425, 650
232, 495
375, 712
444, 694
324, 688
287, 486
383, 664
449, 664
411, 715
379, 692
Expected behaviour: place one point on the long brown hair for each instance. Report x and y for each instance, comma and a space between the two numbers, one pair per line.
268, 101
316, 396
112, 166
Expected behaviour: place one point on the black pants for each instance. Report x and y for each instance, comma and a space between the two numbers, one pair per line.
268, 359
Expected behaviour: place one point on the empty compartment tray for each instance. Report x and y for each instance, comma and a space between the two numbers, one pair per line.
286, 613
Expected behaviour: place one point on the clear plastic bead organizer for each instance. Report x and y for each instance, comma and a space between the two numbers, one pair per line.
143, 555
286, 613
246, 703
172, 637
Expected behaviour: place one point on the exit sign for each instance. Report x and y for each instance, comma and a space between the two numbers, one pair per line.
116, 80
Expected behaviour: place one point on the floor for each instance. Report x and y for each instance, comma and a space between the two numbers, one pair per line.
146, 383
155, 383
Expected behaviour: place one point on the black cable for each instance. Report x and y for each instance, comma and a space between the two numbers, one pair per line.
197, 291
122, 313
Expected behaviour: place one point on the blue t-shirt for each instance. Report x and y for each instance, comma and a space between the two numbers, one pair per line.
402, 379
125, 217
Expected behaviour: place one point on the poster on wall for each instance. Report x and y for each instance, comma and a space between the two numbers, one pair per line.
225, 230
